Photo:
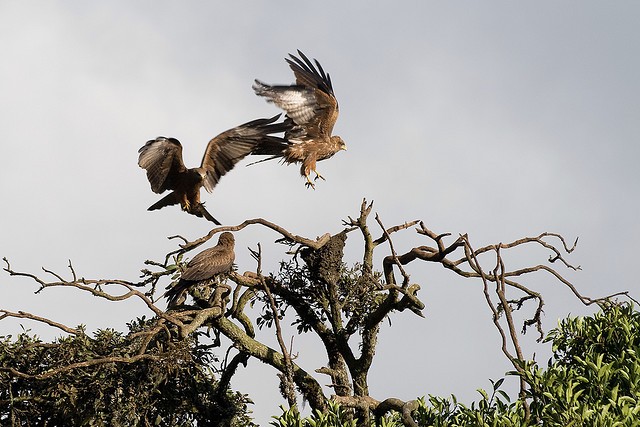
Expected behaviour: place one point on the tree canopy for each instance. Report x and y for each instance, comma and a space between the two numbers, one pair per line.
169, 369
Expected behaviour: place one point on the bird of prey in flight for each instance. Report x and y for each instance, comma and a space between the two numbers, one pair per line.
312, 111
162, 159
204, 268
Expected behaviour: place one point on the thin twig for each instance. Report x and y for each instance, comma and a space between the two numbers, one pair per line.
25, 315
387, 237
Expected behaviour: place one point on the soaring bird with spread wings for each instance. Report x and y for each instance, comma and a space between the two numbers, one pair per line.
204, 268
312, 110
162, 159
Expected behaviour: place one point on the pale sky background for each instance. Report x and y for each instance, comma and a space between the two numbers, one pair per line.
497, 119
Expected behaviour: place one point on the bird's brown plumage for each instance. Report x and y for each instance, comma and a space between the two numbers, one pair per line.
162, 159
312, 111
204, 267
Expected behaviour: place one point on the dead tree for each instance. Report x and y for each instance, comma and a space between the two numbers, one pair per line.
343, 305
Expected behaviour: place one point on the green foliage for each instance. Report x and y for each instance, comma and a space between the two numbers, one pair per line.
493, 410
173, 387
295, 279
333, 417
594, 376
353, 292
488, 412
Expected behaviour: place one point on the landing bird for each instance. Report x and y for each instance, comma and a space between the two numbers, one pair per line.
162, 159
204, 267
312, 111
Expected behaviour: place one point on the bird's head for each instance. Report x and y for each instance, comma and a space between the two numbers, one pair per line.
339, 143
202, 173
227, 239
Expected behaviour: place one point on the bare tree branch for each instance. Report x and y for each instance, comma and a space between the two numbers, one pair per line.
314, 244
93, 287
25, 315
381, 408
394, 256
286, 378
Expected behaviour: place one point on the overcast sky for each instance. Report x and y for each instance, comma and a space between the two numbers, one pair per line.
497, 119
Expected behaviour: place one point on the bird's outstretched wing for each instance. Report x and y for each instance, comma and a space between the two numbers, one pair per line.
227, 149
162, 159
310, 103
307, 75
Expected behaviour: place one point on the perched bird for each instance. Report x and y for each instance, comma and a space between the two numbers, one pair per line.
312, 111
162, 159
204, 267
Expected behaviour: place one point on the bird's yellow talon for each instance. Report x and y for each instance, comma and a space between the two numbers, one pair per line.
310, 183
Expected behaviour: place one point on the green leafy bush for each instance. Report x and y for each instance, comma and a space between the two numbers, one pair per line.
177, 388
